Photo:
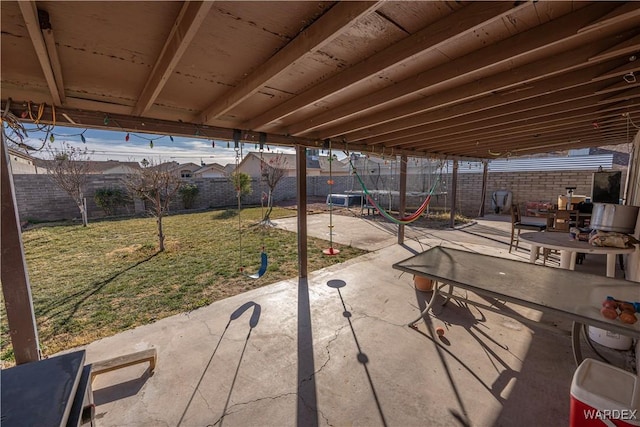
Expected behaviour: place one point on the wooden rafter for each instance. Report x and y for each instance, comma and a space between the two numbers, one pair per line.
417, 112
578, 117
191, 16
552, 104
427, 39
30, 15
553, 37
324, 30
628, 47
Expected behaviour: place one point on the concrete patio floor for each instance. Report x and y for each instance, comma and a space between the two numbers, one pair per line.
336, 350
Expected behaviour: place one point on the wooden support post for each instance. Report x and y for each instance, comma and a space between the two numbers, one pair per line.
454, 190
13, 272
483, 194
301, 179
403, 196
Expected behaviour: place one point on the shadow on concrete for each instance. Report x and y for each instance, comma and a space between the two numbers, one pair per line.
488, 233
523, 393
363, 359
253, 322
307, 408
121, 390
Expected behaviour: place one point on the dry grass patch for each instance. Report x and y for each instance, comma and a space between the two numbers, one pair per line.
91, 282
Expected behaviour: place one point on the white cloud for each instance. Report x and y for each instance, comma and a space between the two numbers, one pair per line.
108, 145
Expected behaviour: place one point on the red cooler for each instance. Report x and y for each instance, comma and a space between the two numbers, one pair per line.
603, 395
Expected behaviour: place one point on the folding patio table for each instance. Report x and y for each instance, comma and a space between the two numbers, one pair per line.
574, 295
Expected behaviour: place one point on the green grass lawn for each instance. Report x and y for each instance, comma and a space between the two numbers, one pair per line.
89, 283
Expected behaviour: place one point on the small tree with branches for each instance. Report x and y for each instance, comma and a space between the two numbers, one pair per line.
272, 172
156, 185
69, 168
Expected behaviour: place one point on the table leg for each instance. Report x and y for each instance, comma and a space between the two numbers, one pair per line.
565, 259
611, 265
572, 263
434, 295
576, 330
533, 255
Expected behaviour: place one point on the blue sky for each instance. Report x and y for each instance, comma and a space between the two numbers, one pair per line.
112, 145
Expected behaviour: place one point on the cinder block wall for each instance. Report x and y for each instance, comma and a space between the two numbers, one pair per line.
39, 198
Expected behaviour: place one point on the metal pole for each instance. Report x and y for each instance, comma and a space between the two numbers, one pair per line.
403, 196
301, 180
454, 189
483, 195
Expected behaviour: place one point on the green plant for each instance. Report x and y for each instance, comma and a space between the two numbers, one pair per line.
188, 192
109, 199
241, 182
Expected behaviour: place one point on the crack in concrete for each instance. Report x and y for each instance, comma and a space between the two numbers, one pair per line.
235, 405
307, 405
364, 315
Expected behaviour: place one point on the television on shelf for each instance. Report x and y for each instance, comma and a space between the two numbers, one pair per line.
606, 187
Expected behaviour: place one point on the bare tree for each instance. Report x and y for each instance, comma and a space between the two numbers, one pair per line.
69, 168
157, 185
272, 172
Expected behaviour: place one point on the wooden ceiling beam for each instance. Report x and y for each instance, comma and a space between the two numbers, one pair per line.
325, 29
546, 147
523, 129
586, 115
29, 12
565, 123
539, 133
624, 95
427, 39
508, 122
575, 133
522, 109
619, 72
91, 119
557, 72
619, 16
618, 86
554, 37
189, 20
629, 47
498, 148
54, 59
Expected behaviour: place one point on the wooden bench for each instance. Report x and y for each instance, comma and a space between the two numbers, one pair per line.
149, 355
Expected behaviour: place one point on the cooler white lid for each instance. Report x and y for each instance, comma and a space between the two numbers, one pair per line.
603, 386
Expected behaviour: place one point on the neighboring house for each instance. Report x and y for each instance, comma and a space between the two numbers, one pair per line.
107, 167
337, 167
213, 170
185, 170
23, 163
251, 164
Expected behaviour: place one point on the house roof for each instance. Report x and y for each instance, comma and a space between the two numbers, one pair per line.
211, 167
94, 166
21, 154
422, 78
286, 161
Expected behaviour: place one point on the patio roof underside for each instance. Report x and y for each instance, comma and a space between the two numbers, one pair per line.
442, 79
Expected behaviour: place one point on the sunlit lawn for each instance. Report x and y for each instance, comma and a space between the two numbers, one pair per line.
89, 283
